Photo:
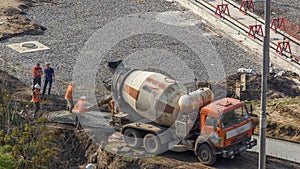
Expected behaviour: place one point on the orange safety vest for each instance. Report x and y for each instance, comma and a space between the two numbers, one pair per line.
112, 106
81, 106
36, 96
69, 91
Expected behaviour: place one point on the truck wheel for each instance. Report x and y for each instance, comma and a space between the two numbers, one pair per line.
205, 155
133, 138
152, 144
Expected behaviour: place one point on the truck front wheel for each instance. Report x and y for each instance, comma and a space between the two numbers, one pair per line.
133, 138
152, 144
205, 155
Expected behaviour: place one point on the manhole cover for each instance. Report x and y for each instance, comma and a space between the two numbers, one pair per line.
29, 45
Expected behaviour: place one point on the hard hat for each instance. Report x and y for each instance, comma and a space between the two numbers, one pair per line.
83, 98
37, 86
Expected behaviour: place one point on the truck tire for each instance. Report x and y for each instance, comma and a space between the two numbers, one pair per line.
133, 138
153, 145
205, 155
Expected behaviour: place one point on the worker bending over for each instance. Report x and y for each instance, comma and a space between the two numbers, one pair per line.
82, 105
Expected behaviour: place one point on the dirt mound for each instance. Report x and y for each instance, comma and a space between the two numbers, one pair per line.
281, 130
282, 118
13, 85
13, 20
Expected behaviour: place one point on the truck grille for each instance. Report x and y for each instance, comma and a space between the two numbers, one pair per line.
239, 138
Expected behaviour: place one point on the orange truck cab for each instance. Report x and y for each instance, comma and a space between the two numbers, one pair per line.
226, 129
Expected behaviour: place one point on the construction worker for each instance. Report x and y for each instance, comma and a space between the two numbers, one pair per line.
36, 99
112, 106
37, 75
69, 97
82, 105
49, 75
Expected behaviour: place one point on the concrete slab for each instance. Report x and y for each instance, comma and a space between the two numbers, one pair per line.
30, 46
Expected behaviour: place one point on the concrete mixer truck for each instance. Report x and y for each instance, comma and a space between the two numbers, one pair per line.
154, 114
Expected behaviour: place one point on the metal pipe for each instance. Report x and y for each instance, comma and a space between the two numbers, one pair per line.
265, 72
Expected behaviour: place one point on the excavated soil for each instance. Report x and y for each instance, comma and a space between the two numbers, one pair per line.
282, 118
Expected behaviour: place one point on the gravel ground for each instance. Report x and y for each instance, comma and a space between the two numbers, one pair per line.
72, 23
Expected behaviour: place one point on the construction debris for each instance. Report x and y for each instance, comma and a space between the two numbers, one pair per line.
247, 87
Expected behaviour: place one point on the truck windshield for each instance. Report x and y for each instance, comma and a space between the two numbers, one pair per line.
234, 117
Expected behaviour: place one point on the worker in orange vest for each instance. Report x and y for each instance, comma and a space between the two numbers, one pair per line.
82, 105
36, 99
37, 73
112, 105
69, 97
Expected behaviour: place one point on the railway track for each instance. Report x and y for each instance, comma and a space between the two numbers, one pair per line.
261, 20
284, 35
207, 9
245, 28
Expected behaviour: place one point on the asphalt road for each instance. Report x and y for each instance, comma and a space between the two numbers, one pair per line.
281, 149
